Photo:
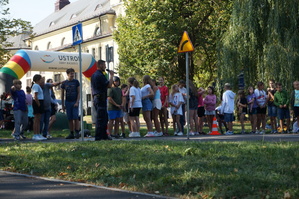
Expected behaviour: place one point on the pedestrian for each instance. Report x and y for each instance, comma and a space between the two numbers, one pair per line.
147, 94
99, 87
38, 105
228, 107
164, 111
281, 100
252, 109
70, 97
294, 102
176, 100
261, 100
125, 99
115, 106
193, 105
210, 105
19, 109
183, 91
200, 110
135, 105
157, 105
29, 101
241, 104
45, 117
272, 108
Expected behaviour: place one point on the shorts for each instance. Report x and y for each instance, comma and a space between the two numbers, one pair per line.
228, 117
157, 104
283, 113
72, 112
53, 109
261, 110
135, 112
272, 111
253, 111
209, 112
113, 114
147, 105
38, 109
296, 111
1, 115
200, 111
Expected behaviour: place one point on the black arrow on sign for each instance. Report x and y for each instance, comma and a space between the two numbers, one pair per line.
186, 41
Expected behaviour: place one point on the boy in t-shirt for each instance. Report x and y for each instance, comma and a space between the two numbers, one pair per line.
19, 109
294, 101
70, 96
281, 100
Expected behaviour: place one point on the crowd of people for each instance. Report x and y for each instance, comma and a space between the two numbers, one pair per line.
118, 105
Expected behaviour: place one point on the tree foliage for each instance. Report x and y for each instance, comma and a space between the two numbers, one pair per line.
9, 27
149, 34
262, 40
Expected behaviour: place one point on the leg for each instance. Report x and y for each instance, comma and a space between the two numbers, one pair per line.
147, 118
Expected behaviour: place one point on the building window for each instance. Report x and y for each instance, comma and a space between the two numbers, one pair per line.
49, 46
57, 78
93, 52
62, 41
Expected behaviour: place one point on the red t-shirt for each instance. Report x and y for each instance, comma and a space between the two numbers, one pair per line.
164, 94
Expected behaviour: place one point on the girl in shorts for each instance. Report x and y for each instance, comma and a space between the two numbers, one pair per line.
252, 108
176, 100
210, 105
242, 108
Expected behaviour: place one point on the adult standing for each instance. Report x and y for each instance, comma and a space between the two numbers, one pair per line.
99, 87
261, 100
228, 107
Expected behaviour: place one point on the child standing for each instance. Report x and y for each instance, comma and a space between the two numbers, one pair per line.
210, 105
242, 108
164, 100
228, 107
134, 107
125, 99
281, 100
29, 101
261, 100
70, 96
294, 101
19, 109
157, 105
176, 100
272, 109
252, 106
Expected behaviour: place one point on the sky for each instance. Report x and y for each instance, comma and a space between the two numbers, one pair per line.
31, 10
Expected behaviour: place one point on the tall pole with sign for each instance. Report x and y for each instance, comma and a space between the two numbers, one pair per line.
77, 40
185, 47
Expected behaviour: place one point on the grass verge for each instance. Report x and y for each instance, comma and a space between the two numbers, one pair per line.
180, 169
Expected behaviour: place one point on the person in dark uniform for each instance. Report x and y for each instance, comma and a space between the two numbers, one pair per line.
99, 86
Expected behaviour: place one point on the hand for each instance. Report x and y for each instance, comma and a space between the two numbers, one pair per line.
76, 104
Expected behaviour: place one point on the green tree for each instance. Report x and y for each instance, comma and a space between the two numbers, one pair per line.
9, 27
262, 40
149, 34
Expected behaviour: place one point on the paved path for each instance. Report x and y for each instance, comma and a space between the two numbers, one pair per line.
18, 186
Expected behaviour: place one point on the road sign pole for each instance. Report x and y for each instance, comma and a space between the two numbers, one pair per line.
81, 93
187, 86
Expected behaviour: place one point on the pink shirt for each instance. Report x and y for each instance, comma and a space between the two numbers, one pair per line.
200, 100
210, 102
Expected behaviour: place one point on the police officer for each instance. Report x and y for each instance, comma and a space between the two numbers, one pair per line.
99, 86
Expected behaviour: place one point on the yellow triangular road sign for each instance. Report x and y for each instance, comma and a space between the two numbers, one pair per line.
185, 44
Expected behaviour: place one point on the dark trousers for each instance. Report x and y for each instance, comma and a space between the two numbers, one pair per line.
182, 117
101, 119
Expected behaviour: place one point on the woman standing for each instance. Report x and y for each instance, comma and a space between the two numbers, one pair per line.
210, 105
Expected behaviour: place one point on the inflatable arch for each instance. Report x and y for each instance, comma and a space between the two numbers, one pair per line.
25, 60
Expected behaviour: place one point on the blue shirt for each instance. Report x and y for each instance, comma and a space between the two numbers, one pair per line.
99, 84
71, 89
19, 98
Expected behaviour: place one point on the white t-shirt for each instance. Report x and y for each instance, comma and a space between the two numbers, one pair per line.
37, 89
137, 93
183, 90
144, 90
176, 99
261, 97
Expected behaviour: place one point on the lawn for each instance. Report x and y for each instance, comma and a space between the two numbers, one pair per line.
180, 169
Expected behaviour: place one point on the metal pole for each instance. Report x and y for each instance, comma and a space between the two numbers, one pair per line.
187, 85
81, 93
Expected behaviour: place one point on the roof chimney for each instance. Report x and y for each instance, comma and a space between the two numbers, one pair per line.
59, 4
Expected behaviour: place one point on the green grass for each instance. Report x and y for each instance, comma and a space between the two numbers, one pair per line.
173, 168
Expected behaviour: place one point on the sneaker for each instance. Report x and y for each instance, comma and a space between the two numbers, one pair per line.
70, 136
150, 134
49, 136
16, 137
257, 132
262, 132
229, 133
180, 133
196, 133
158, 134
23, 136
42, 137
191, 133
275, 131
38, 137
134, 134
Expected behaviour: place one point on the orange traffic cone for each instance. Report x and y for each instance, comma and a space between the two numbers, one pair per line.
215, 127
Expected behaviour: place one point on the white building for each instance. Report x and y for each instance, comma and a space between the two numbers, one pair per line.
54, 33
